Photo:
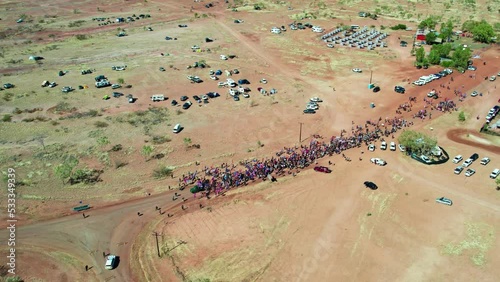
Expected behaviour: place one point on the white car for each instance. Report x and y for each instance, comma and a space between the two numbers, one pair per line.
444, 201
457, 159
213, 77
467, 162
246, 95
493, 78
469, 172
495, 173
474, 93
371, 147
110, 262
485, 161
458, 169
312, 107
357, 70
392, 146
378, 161
316, 99
383, 145
425, 158
402, 148
221, 83
263, 81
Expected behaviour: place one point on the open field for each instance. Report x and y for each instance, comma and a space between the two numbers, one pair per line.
308, 227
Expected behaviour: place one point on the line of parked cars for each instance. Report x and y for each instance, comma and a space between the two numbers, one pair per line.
493, 112
468, 162
426, 79
312, 106
383, 146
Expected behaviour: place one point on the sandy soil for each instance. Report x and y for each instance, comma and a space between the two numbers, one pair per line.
312, 227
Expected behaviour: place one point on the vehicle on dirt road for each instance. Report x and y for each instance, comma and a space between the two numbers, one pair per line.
470, 172
371, 185
399, 89
383, 145
458, 170
371, 147
495, 173
378, 161
323, 169
392, 146
457, 159
485, 161
111, 262
444, 201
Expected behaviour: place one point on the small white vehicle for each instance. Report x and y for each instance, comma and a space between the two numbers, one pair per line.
110, 262
157, 98
177, 128
425, 159
315, 100
371, 147
392, 146
204, 97
495, 173
223, 57
312, 106
474, 93
402, 148
383, 145
493, 78
213, 77
357, 70
378, 161
470, 172
444, 201
263, 81
246, 95
458, 170
457, 159
232, 92
467, 162
485, 161
222, 84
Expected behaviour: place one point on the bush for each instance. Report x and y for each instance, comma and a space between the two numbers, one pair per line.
117, 147
7, 118
8, 96
82, 36
100, 124
160, 139
162, 172
461, 116
399, 27
84, 175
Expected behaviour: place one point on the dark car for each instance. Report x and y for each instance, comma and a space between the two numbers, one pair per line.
213, 94
376, 89
8, 85
196, 98
474, 157
309, 111
170, 38
183, 25
236, 98
399, 89
186, 105
243, 81
174, 103
184, 98
323, 169
117, 94
371, 185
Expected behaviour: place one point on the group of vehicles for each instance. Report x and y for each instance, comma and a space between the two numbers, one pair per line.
426, 79
312, 106
492, 113
383, 146
468, 162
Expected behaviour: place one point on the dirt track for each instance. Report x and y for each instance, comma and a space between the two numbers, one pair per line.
459, 135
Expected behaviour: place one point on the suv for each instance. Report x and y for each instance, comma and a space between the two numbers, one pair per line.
187, 105
474, 157
485, 161
457, 159
399, 89
495, 173
110, 262
383, 145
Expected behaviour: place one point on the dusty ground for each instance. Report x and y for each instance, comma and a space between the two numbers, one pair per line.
286, 231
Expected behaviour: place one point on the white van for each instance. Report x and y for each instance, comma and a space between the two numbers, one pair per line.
223, 57
177, 128
110, 262
317, 29
157, 98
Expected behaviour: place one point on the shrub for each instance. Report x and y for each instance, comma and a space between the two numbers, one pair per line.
399, 27
162, 172
461, 116
117, 147
160, 139
84, 175
82, 36
100, 124
7, 118
8, 96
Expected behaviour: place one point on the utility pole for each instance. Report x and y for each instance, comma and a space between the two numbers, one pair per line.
371, 76
300, 132
157, 245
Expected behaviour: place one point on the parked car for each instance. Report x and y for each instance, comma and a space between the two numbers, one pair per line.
457, 159
323, 169
392, 146
376, 89
371, 147
444, 201
458, 169
371, 185
383, 145
399, 89
495, 173
236, 98
182, 25
184, 98
315, 99
111, 262
469, 172
213, 94
425, 159
117, 94
177, 128
309, 111
8, 85
402, 148
493, 78
174, 103
474, 157
378, 161
186, 105
467, 163
263, 81
485, 161
471, 68
196, 98
474, 93
357, 70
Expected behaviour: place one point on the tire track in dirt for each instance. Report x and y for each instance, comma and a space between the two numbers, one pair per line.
458, 135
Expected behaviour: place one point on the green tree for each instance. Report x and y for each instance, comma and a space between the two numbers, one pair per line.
147, 151
430, 38
417, 142
102, 141
429, 23
460, 58
187, 141
64, 170
420, 55
434, 57
483, 32
121, 80
439, 51
468, 25
461, 116
446, 30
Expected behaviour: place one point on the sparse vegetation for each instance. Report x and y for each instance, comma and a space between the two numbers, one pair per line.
101, 124
77, 23
7, 118
398, 27
162, 172
147, 151
461, 116
160, 139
